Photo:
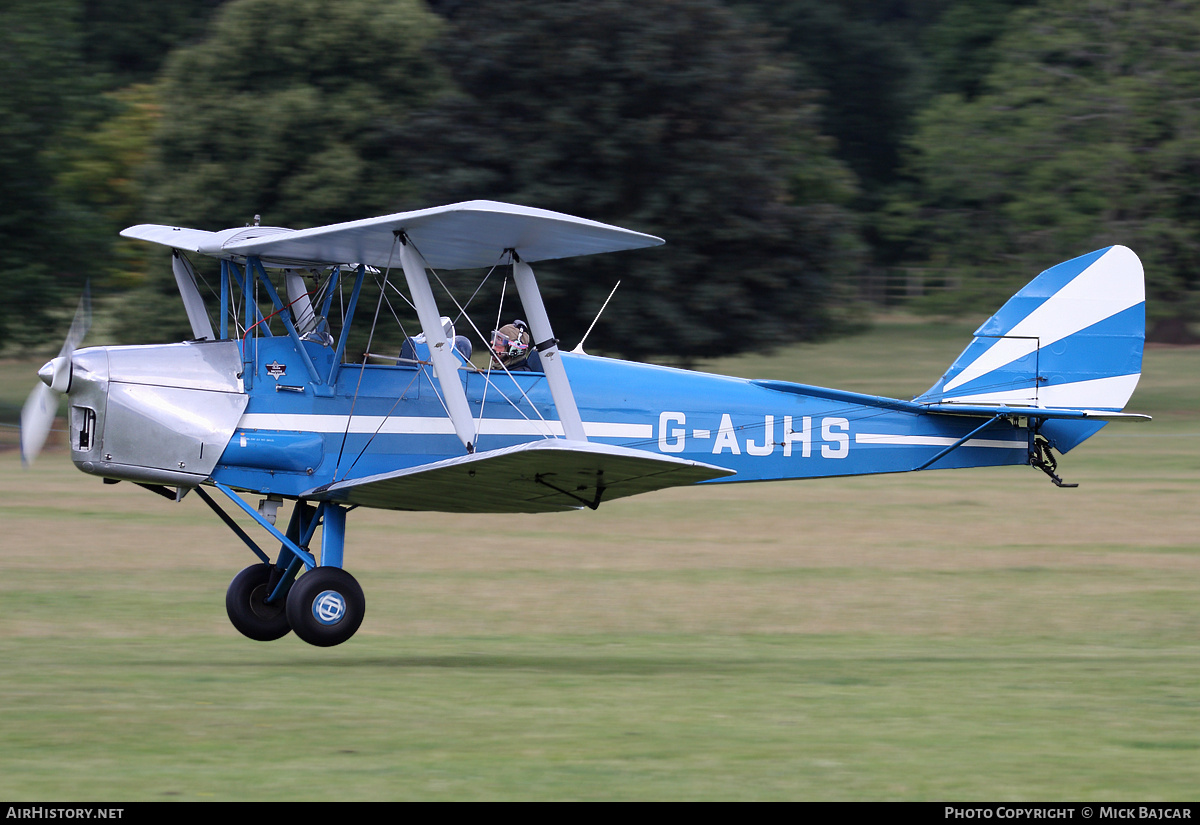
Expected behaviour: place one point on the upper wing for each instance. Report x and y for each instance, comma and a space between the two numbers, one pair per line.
535, 477
199, 240
459, 236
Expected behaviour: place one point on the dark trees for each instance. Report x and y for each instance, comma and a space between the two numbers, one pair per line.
675, 119
283, 109
44, 236
1086, 133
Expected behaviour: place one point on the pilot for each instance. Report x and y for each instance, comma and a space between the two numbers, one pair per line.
510, 345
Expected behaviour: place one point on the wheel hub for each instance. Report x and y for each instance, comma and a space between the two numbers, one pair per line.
329, 607
258, 603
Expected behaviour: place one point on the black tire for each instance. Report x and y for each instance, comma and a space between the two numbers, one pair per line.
248, 611
325, 606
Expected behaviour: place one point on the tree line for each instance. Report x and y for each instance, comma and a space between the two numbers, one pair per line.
792, 152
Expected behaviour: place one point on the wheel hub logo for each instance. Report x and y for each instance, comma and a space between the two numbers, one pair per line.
329, 607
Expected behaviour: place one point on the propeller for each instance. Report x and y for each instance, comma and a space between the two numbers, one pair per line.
37, 416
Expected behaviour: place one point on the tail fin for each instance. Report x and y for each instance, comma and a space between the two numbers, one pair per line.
1071, 339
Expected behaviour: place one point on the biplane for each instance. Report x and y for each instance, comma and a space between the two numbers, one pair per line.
267, 404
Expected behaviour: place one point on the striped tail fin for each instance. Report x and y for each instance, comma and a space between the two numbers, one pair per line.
1071, 339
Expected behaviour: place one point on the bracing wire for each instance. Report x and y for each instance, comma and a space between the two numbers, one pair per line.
486, 341
363, 366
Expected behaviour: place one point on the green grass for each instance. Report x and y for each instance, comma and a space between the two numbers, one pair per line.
956, 635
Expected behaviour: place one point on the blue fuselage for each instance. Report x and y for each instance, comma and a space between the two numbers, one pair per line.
296, 435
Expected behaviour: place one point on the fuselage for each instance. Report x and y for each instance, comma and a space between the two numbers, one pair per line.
187, 413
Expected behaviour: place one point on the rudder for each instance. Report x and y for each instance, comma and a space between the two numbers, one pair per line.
1071, 339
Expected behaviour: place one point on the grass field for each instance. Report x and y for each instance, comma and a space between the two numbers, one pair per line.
956, 635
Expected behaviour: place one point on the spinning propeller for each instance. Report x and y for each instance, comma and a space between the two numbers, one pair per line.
37, 416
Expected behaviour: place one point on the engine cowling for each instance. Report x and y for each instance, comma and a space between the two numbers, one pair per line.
159, 414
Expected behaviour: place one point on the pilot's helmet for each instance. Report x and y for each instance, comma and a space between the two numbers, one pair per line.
510, 343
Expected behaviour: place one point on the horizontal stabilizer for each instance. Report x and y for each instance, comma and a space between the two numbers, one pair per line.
950, 408
466, 235
536, 477
1042, 413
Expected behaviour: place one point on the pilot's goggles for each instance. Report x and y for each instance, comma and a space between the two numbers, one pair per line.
506, 346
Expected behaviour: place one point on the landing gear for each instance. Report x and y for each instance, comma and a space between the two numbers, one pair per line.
325, 606
1042, 458
245, 601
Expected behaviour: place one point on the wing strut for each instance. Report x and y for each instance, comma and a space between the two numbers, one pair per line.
547, 346
445, 365
193, 304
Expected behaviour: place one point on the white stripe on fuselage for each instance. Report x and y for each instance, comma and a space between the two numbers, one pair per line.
420, 425
933, 441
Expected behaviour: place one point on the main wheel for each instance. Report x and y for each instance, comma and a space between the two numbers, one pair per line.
245, 602
325, 606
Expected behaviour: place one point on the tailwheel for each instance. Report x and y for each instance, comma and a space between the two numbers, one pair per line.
245, 601
325, 606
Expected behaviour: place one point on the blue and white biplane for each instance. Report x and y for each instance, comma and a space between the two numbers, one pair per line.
247, 411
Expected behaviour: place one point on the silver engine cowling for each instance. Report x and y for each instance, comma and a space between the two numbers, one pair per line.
160, 414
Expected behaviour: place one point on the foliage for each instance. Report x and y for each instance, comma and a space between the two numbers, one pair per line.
282, 112
74, 148
864, 59
127, 40
875, 63
104, 166
1087, 135
282, 109
961, 46
41, 93
762, 140
675, 119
